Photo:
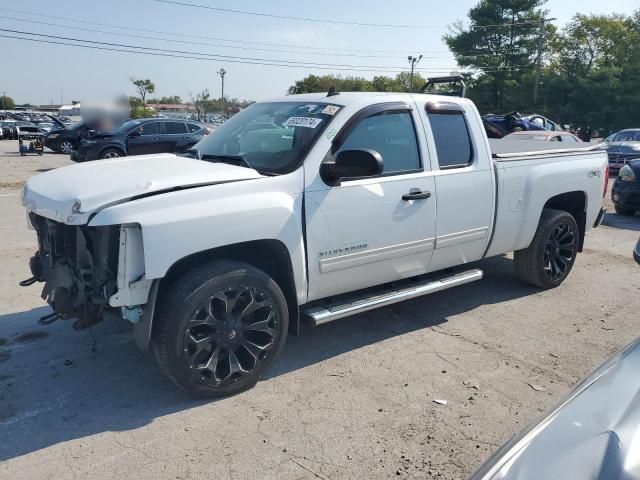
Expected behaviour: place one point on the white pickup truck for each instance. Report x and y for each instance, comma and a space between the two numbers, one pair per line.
308, 207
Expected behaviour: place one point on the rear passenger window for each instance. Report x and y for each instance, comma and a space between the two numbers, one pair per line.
453, 144
392, 135
172, 128
193, 127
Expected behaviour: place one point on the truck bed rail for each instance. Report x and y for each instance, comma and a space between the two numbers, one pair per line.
522, 149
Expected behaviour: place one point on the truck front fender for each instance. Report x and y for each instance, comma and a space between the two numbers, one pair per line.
179, 224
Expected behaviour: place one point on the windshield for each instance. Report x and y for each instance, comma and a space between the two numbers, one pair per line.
76, 125
270, 137
127, 126
630, 136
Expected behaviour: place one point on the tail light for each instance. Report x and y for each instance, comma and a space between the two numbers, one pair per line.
606, 182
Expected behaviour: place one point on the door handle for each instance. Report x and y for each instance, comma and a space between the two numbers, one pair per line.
416, 196
156, 138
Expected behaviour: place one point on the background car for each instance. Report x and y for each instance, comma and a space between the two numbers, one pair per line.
6, 126
545, 136
65, 140
10, 129
625, 192
636, 252
622, 147
28, 132
498, 126
140, 137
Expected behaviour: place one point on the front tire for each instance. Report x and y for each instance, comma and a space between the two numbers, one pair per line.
66, 147
111, 153
220, 328
549, 258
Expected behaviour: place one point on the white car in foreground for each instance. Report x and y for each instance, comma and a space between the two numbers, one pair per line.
308, 207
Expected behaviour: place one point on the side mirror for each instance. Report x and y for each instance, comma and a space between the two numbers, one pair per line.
91, 132
352, 164
135, 133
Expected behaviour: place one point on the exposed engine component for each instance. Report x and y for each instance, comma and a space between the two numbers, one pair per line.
79, 267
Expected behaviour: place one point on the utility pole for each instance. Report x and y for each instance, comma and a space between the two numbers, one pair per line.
222, 72
541, 39
413, 61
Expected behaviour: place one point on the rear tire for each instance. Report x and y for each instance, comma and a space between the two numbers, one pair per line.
549, 258
219, 328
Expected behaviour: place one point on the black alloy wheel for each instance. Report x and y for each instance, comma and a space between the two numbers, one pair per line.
230, 334
550, 256
560, 251
219, 327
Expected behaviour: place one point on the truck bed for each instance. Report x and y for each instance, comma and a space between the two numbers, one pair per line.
508, 150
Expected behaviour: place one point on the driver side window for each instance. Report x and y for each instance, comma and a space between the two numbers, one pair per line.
392, 135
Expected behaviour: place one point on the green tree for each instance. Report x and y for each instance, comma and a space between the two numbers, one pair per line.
501, 41
143, 87
382, 83
7, 103
134, 102
141, 112
402, 82
171, 100
315, 83
592, 72
201, 101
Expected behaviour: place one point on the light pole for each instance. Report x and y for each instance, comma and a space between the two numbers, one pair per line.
413, 61
4, 101
543, 34
222, 72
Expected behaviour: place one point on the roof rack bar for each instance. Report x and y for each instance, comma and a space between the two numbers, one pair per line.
452, 79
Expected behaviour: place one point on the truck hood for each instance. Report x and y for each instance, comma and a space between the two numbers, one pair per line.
72, 194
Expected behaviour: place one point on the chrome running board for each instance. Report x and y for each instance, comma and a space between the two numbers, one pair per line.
326, 313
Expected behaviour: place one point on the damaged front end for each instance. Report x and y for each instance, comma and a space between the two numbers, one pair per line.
85, 270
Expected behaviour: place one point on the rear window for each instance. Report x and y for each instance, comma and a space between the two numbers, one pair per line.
193, 127
453, 143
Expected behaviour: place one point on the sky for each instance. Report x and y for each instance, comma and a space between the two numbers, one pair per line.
41, 73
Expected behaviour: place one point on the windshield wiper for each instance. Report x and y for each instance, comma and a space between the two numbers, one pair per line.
238, 160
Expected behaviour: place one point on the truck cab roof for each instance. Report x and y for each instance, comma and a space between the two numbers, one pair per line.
348, 98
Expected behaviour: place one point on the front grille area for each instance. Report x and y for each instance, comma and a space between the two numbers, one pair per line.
77, 263
55, 240
633, 198
622, 157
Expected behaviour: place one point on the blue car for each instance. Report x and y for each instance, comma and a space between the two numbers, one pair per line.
498, 126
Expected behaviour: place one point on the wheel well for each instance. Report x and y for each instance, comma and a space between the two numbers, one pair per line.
270, 256
574, 203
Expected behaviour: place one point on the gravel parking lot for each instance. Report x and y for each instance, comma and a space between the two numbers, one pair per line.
350, 399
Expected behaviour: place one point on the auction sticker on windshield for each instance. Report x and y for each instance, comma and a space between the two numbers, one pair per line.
306, 122
330, 109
